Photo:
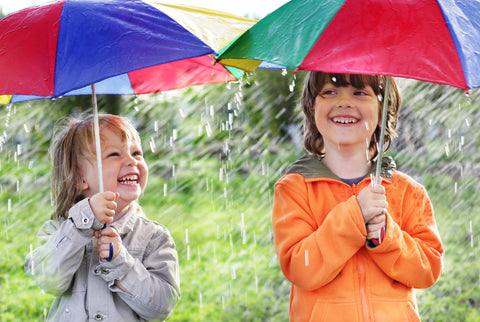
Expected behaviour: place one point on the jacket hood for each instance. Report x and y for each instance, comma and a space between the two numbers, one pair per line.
310, 167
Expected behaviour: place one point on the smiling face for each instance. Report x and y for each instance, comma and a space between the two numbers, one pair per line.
123, 166
346, 116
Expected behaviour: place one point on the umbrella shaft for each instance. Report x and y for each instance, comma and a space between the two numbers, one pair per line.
382, 133
97, 139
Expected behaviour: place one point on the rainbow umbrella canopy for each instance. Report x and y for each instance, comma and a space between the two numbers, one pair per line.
429, 40
122, 46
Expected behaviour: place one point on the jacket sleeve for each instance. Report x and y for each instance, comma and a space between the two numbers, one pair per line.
53, 264
151, 286
311, 254
412, 252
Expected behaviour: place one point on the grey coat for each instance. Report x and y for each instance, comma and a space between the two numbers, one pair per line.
141, 283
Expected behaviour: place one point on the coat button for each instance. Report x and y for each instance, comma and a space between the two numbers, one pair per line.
96, 271
85, 220
105, 271
98, 317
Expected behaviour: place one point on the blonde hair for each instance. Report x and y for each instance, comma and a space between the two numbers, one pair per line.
73, 141
314, 82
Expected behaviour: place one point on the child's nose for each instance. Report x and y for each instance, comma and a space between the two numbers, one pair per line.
130, 161
344, 99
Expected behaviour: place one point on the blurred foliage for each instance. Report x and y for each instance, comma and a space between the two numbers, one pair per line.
214, 153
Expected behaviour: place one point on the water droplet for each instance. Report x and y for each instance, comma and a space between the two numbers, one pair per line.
307, 262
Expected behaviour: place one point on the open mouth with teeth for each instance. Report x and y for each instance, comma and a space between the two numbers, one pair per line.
129, 180
344, 120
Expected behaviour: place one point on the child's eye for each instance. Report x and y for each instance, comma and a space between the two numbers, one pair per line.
361, 92
137, 154
113, 154
328, 92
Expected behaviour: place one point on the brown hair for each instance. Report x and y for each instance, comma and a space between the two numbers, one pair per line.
314, 82
73, 141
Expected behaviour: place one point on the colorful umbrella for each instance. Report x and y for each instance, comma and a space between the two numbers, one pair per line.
125, 47
428, 40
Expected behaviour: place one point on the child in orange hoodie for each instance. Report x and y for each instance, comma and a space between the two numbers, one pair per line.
329, 217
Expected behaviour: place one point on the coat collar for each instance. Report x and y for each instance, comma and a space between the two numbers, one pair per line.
126, 224
311, 167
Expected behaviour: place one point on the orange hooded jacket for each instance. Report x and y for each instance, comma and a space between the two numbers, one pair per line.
320, 240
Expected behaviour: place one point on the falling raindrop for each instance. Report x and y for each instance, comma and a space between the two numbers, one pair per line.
186, 236
291, 87
9, 205
242, 229
152, 145
182, 113
165, 189
188, 252
284, 72
33, 262
208, 129
307, 262
447, 149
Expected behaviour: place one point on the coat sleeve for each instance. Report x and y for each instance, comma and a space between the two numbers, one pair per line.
150, 286
53, 264
312, 254
412, 251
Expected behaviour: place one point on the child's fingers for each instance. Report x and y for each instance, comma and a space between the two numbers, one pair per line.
108, 232
375, 234
110, 195
109, 243
378, 219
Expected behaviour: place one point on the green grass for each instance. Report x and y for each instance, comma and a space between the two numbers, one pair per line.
229, 271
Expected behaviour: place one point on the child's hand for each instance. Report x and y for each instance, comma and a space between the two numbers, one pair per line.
104, 238
375, 225
373, 203
103, 206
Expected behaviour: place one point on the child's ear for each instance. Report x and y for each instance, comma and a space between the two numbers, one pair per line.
83, 185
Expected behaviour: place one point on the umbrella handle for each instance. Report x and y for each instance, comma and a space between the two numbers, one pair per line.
382, 130
110, 250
